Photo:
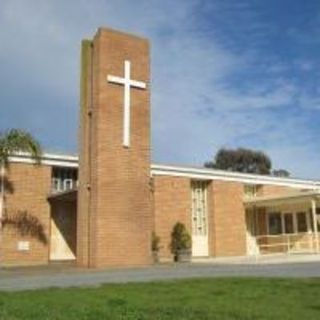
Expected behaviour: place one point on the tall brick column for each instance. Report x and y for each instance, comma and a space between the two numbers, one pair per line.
114, 200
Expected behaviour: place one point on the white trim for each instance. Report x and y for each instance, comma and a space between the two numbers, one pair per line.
270, 201
178, 171
200, 242
294, 215
211, 174
127, 82
47, 159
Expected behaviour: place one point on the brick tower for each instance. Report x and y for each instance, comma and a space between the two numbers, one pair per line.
114, 200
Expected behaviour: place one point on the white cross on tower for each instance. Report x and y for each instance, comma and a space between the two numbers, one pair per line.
128, 83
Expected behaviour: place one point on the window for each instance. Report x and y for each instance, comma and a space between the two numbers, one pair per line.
250, 190
274, 221
63, 179
288, 223
302, 224
67, 184
55, 184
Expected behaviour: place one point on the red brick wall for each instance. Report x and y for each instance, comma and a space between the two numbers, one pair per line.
226, 214
85, 155
270, 190
172, 204
119, 214
31, 186
229, 226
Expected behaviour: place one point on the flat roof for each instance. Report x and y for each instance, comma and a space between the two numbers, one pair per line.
200, 173
213, 174
50, 159
68, 195
265, 201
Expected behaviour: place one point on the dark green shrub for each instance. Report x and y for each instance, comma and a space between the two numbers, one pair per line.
155, 242
180, 238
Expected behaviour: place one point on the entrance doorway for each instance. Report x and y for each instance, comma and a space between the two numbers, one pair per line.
63, 231
200, 247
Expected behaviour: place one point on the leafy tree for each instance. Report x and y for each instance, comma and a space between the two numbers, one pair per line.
15, 141
280, 173
241, 160
11, 142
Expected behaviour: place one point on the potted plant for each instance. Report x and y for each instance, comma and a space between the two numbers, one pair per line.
180, 243
155, 247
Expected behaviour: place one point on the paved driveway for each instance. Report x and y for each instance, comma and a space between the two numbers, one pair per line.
15, 279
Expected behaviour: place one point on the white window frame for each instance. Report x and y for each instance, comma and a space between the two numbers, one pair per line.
295, 221
250, 190
65, 182
268, 225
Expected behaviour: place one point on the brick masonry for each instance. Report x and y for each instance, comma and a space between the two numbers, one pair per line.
226, 214
115, 214
27, 190
171, 202
228, 225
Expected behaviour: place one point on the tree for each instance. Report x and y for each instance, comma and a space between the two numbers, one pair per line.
12, 142
280, 173
241, 160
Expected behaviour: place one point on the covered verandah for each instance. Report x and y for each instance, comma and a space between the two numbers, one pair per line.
287, 223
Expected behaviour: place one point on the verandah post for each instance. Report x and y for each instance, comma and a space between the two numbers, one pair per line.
315, 224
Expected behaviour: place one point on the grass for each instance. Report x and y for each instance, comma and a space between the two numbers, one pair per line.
188, 299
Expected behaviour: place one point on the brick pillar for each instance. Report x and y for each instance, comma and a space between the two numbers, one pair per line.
114, 199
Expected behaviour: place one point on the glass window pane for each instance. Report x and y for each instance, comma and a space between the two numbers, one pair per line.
251, 190
302, 222
274, 220
288, 223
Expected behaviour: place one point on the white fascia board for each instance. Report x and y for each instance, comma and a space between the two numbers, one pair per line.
47, 159
177, 171
207, 174
297, 196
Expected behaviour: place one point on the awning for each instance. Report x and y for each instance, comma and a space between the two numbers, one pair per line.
69, 195
289, 198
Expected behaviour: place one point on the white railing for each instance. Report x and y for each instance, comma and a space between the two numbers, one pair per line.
301, 242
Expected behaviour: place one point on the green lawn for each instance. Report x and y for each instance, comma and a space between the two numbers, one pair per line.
189, 299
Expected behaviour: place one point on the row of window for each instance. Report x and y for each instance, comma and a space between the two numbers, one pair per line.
288, 223
63, 179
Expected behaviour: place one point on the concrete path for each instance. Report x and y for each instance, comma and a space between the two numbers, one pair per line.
15, 279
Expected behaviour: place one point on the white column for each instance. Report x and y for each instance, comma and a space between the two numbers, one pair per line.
315, 222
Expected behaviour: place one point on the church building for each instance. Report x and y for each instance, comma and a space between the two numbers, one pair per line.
100, 209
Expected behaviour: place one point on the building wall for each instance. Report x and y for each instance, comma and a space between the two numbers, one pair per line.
172, 204
228, 226
30, 186
114, 225
86, 155
226, 214
270, 190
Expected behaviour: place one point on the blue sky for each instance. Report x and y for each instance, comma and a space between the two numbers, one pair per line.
225, 73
